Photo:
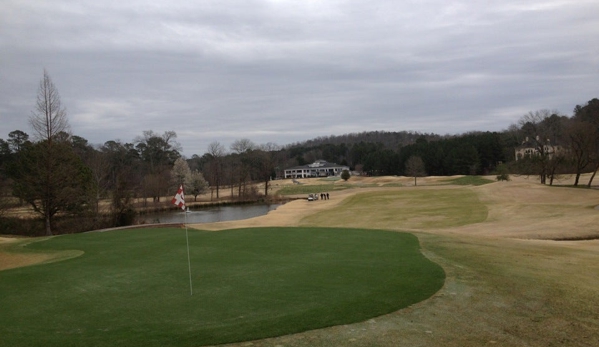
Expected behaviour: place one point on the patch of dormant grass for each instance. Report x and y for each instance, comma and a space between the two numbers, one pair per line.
405, 209
389, 185
131, 288
330, 179
546, 291
469, 181
15, 254
310, 189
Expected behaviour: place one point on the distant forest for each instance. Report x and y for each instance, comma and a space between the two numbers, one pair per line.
60, 174
543, 143
380, 153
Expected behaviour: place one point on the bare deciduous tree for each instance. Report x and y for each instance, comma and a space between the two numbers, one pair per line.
216, 152
49, 117
264, 163
242, 148
589, 113
98, 163
582, 137
415, 168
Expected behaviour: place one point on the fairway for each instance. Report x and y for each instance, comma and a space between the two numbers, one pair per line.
407, 210
131, 288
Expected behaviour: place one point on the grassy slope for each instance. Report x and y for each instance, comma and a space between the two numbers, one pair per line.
405, 209
130, 288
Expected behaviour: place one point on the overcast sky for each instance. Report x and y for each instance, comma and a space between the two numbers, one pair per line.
284, 71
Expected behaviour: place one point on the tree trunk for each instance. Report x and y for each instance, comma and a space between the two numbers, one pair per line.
552, 175
266, 187
543, 178
593, 176
48, 227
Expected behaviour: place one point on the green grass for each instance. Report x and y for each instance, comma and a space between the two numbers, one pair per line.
469, 181
131, 288
405, 209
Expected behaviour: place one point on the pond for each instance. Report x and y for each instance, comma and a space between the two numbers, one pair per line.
209, 214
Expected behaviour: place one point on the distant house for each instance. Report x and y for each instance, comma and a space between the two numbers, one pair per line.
319, 168
530, 148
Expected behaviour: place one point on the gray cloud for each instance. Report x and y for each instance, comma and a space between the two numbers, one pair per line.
285, 71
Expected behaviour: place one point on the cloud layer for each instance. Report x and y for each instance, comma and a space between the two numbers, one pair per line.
285, 71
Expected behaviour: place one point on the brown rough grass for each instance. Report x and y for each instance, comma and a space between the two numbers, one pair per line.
12, 255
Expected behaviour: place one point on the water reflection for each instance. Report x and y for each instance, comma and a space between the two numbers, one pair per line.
209, 215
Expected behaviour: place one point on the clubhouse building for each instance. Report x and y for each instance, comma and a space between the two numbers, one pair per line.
532, 148
319, 168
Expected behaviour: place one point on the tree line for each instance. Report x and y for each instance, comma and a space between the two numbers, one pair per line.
542, 143
73, 185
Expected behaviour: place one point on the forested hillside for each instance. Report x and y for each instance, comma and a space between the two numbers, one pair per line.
467, 154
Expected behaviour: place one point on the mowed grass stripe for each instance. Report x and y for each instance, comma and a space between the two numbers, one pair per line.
405, 209
131, 288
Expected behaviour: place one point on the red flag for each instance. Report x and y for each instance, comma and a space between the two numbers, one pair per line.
179, 198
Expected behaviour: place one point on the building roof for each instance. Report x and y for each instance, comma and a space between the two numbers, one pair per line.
319, 164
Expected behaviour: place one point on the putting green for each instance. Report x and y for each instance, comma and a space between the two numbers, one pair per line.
131, 288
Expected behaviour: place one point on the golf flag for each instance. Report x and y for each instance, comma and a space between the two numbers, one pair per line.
179, 198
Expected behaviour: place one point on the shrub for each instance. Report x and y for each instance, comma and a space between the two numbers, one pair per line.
345, 175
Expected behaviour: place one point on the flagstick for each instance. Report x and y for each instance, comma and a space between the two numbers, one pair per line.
179, 200
188, 258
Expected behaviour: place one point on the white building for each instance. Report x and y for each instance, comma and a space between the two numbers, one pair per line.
319, 168
530, 148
